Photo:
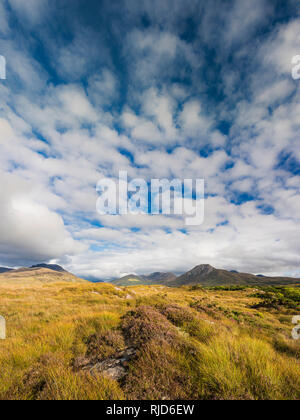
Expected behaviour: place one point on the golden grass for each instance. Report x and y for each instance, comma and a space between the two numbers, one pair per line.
225, 349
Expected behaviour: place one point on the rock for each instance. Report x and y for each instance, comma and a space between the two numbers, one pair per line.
80, 363
114, 368
116, 373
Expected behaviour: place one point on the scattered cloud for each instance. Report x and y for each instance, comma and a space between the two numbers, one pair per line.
184, 89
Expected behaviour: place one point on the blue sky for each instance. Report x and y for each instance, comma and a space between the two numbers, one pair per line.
173, 89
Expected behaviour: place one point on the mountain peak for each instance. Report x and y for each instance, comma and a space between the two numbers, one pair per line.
53, 267
202, 270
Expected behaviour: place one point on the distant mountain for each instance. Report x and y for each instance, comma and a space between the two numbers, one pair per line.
147, 280
53, 267
4, 270
37, 275
158, 278
206, 275
130, 280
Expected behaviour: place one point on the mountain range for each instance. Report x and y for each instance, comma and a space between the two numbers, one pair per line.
203, 275
206, 275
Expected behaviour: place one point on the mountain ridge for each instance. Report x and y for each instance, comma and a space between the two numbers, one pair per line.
37, 275
206, 275
53, 267
5, 270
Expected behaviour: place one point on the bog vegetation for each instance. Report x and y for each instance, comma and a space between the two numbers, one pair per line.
87, 341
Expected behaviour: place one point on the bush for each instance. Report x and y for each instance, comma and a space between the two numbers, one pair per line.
105, 345
277, 297
145, 324
176, 314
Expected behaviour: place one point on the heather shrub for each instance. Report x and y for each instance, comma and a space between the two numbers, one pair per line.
189, 322
176, 314
145, 324
105, 345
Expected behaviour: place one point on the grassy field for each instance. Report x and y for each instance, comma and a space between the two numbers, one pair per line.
189, 343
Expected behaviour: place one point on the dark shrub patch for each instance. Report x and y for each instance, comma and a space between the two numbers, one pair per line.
145, 324
102, 346
278, 297
178, 315
165, 360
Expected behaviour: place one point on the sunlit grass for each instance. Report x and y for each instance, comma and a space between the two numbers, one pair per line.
225, 347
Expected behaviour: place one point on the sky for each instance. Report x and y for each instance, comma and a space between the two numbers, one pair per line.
160, 89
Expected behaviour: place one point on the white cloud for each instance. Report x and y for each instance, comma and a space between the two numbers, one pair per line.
29, 231
161, 107
193, 122
103, 87
243, 19
249, 240
152, 56
75, 101
4, 26
31, 10
282, 47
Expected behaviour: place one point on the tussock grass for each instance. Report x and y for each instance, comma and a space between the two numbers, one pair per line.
246, 368
191, 343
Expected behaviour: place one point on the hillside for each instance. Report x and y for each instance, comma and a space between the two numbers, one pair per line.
85, 341
161, 278
206, 275
37, 275
151, 279
130, 280
53, 267
4, 270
